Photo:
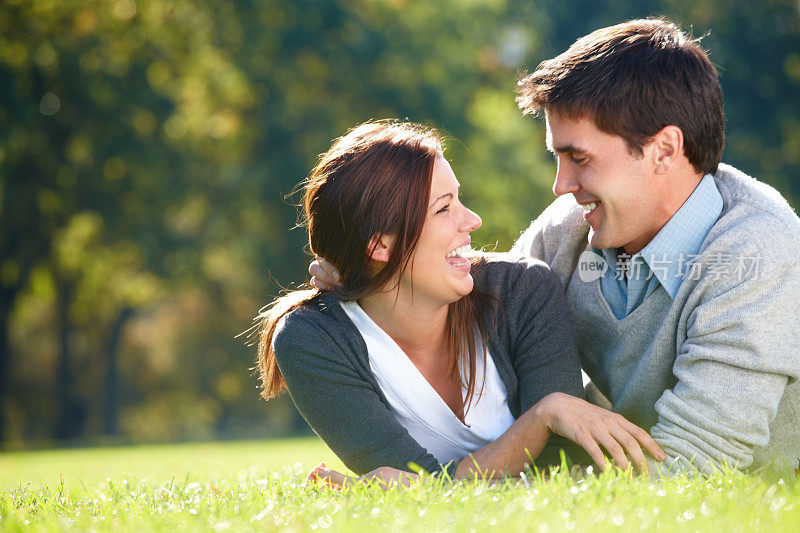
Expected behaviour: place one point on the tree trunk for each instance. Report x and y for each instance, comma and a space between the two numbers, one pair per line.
71, 413
111, 412
6, 304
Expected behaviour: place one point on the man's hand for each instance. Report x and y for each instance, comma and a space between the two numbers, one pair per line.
324, 275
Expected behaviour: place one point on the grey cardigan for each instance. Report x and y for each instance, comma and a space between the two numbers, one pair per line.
325, 363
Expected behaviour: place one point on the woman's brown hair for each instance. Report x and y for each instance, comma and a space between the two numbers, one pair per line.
374, 180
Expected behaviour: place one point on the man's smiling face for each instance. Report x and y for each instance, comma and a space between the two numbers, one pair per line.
621, 195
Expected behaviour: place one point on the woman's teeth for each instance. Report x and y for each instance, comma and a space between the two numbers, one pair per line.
460, 251
588, 208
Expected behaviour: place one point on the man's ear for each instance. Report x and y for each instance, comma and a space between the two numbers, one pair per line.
668, 148
380, 247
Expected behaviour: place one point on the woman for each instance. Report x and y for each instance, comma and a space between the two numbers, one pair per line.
404, 363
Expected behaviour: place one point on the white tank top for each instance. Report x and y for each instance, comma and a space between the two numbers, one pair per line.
420, 409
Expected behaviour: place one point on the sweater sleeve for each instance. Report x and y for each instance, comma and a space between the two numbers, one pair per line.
546, 357
740, 352
536, 329
557, 237
531, 242
339, 405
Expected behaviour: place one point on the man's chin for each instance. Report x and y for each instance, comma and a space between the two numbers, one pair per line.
594, 239
599, 241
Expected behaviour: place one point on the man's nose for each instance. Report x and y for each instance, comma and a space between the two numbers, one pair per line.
566, 181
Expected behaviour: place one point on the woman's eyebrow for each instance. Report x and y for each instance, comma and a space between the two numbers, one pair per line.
439, 198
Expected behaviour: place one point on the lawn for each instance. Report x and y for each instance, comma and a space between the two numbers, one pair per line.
259, 486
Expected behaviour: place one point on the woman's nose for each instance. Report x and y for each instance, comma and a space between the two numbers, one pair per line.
471, 220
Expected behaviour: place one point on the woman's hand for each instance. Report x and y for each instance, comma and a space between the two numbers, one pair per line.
331, 478
591, 427
386, 477
324, 275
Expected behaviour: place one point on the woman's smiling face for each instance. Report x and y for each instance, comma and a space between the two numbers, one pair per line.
438, 272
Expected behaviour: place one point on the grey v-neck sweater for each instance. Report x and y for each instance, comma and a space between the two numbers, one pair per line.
713, 373
325, 363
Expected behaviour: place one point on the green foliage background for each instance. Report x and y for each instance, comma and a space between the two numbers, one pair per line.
146, 148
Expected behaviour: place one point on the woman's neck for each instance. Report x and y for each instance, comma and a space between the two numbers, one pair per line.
418, 329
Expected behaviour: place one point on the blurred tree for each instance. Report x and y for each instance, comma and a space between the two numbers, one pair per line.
104, 107
147, 147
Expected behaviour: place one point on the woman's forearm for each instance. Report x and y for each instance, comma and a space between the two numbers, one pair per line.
508, 455
587, 425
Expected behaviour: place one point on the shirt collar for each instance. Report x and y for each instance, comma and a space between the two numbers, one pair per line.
680, 239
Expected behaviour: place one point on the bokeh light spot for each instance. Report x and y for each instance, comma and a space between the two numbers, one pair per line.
45, 56
125, 9
49, 104
114, 168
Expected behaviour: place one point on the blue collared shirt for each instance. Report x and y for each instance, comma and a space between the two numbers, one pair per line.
666, 259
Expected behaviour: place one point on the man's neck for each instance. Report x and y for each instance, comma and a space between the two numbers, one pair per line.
682, 183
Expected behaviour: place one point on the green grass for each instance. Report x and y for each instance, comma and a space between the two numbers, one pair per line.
259, 486
159, 463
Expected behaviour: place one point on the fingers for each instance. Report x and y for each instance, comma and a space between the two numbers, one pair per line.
646, 441
316, 473
388, 477
321, 285
613, 448
316, 271
636, 454
329, 270
591, 427
385, 477
337, 479
629, 439
632, 449
324, 275
588, 443
382, 476
321, 473
331, 478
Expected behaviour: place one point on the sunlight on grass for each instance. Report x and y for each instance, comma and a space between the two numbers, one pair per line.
260, 486
158, 463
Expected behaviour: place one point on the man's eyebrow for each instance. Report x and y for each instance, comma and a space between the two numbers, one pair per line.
567, 148
439, 198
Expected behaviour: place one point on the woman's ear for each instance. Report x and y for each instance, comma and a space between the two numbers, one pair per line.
380, 247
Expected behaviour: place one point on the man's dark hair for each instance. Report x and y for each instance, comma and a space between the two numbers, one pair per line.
633, 79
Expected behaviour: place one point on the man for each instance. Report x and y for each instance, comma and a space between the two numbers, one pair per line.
686, 297
679, 271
